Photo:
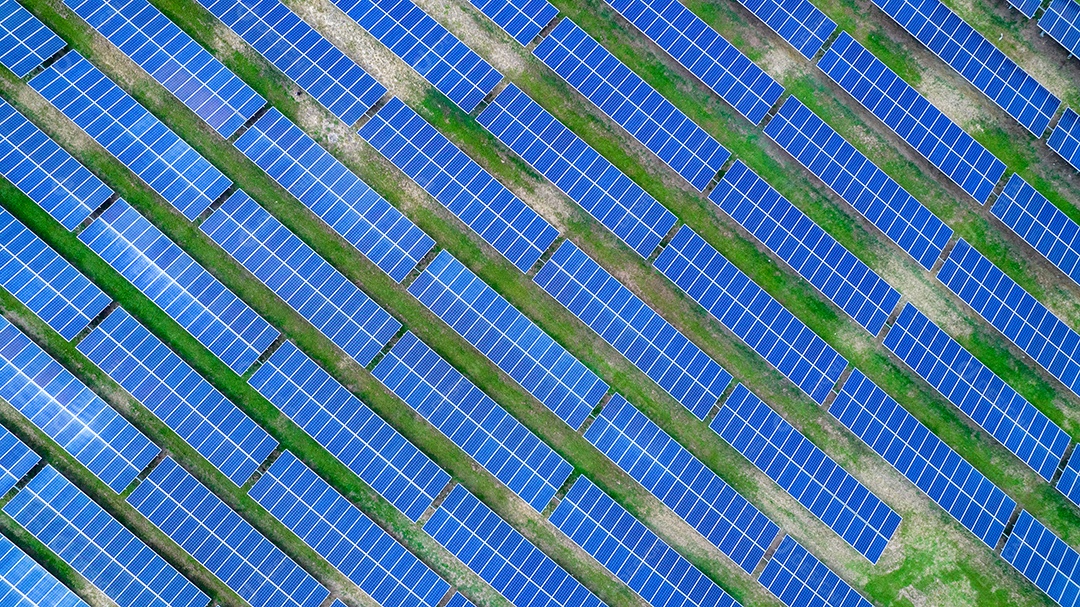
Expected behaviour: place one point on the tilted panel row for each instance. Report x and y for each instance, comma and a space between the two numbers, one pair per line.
1041, 224
25, 42
24, 583
798, 22
522, 19
799, 579
1062, 21
1065, 138
1069, 482
1044, 558
16, 460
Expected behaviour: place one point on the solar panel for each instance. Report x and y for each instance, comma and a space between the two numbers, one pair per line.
798, 578
503, 558
803, 245
176, 394
1069, 483
522, 19
912, 117
458, 600
301, 277
1044, 558
473, 421
95, 544
509, 339
427, 47
24, 583
55, 401
325, 186
164, 161
857, 180
632, 103
633, 328
751, 314
707, 55
189, 294
798, 22
471, 193
917, 453
1062, 21
1013, 311
45, 282
16, 460
806, 473
1041, 224
348, 429
218, 538
684, 484
578, 170
1026, 7
46, 172
302, 54
25, 42
977, 391
1065, 138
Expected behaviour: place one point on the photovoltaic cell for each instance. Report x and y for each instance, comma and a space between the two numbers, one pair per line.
1026, 7
912, 117
798, 21
522, 19
578, 170
475, 422
1041, 224
131, 134
25, 42
799, 579
1069, 483
347, 428
471, 193
1065, 138
24, 583
1044, 558
16, 460
751, 314
1062, 21
330, 190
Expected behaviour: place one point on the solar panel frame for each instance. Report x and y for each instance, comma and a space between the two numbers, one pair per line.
1069, 481
1042, 225
16, 461
1065, 138
24, 583
1044, 559
523, 20
25, 42
1062, 21
798, 578
798, 22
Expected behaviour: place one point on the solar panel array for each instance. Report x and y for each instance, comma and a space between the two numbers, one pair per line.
1069, 483
857, 180
330, 190
578, 170
344, 536
176, 394
632, 552
804, 471
458, 600
131, 134
473, 421
679, 480
751, 314
1026, 7
301, 277
45, 282
509, 339
95, 544
977, 391
24, 583
633, 328
702, 51
632, 103
16, 460
347, 428
1013, 311
55, 401
922, 457
1065, 138
302, 54
428, 47
1062, 21
522, 19
471, 193
803, 245
179, 285
218, 538
913, 117
25, 42
798, 578
1044, 558
798, 21
46, 172
496, 552
1041, 224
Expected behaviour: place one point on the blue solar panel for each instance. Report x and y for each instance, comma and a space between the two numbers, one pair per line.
345, 537
633, 328
325, 186
910, 115
1045, 559
502, 557
428, 47
476, 423
803, 470
301, 277
95, 544
24, 583
131, 134
1041, 224
46, 172
1062, 21
922, 457
348, 429
857, 180
302, 54
458, 600
1013, 311
522, 19
16, 460
682, 482
458, 183
1069, 483
180, 397
1065, 138
25, 42
509, 339
578, 170
977, 391
798, 21
799, 579
55, 401
632, 103
45, 282
632, 552
702, 51
218, 538
751, 314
